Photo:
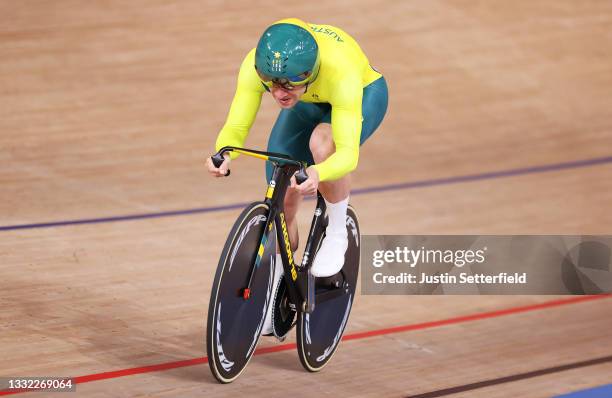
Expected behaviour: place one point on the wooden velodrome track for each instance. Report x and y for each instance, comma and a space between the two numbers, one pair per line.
107, 108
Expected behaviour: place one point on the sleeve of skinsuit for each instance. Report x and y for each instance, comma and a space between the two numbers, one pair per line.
244, 106
346, 129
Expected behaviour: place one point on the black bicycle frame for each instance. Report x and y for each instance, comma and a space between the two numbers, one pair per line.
300, 282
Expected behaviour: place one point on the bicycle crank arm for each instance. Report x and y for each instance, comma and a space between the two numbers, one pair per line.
332, 294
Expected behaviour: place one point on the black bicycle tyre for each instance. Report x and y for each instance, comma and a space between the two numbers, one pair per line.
333, 313
244, 323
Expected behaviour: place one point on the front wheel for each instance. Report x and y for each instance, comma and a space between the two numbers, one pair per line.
234, 324
319, 333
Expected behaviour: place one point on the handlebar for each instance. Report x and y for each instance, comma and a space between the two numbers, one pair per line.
277, 158
218, 160
301, 176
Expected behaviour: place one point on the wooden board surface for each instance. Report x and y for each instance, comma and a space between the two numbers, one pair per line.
108, 108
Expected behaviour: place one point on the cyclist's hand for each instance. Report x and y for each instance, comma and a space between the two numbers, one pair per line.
221, 171
310, 186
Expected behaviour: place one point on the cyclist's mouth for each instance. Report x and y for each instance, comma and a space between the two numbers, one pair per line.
285, 100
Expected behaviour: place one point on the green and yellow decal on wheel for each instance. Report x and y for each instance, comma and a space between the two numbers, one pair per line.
262, 248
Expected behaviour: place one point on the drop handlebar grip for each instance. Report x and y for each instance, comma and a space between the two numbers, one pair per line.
301, 176
218, 160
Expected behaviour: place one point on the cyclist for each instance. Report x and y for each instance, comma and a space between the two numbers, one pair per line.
331, 102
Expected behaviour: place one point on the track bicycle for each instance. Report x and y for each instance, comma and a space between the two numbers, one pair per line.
243, 285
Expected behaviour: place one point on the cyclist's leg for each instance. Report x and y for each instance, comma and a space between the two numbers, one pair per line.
322, 146
290, 135
374, 107
336, 193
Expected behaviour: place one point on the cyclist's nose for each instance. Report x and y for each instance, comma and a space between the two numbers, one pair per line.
280, 92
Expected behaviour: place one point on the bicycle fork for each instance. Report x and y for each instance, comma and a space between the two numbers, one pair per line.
246, 292
302, 287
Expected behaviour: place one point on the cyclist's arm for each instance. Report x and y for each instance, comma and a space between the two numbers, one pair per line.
244, 106
346, 130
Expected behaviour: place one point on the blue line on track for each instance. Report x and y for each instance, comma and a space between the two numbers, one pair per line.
597, 392
359, 191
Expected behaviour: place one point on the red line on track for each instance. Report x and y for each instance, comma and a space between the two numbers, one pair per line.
352, 336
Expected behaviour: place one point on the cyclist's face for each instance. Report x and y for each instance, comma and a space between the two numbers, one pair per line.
287, 98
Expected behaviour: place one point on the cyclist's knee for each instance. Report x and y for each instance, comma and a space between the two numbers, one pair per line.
321, 142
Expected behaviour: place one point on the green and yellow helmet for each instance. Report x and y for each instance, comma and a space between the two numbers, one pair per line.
287, 53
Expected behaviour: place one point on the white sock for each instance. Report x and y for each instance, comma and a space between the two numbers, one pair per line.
336, 213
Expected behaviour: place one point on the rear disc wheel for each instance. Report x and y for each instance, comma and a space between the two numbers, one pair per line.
319, 333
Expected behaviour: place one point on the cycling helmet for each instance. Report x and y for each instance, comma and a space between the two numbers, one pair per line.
287, 54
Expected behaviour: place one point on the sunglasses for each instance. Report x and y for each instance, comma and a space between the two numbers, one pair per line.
288, 83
